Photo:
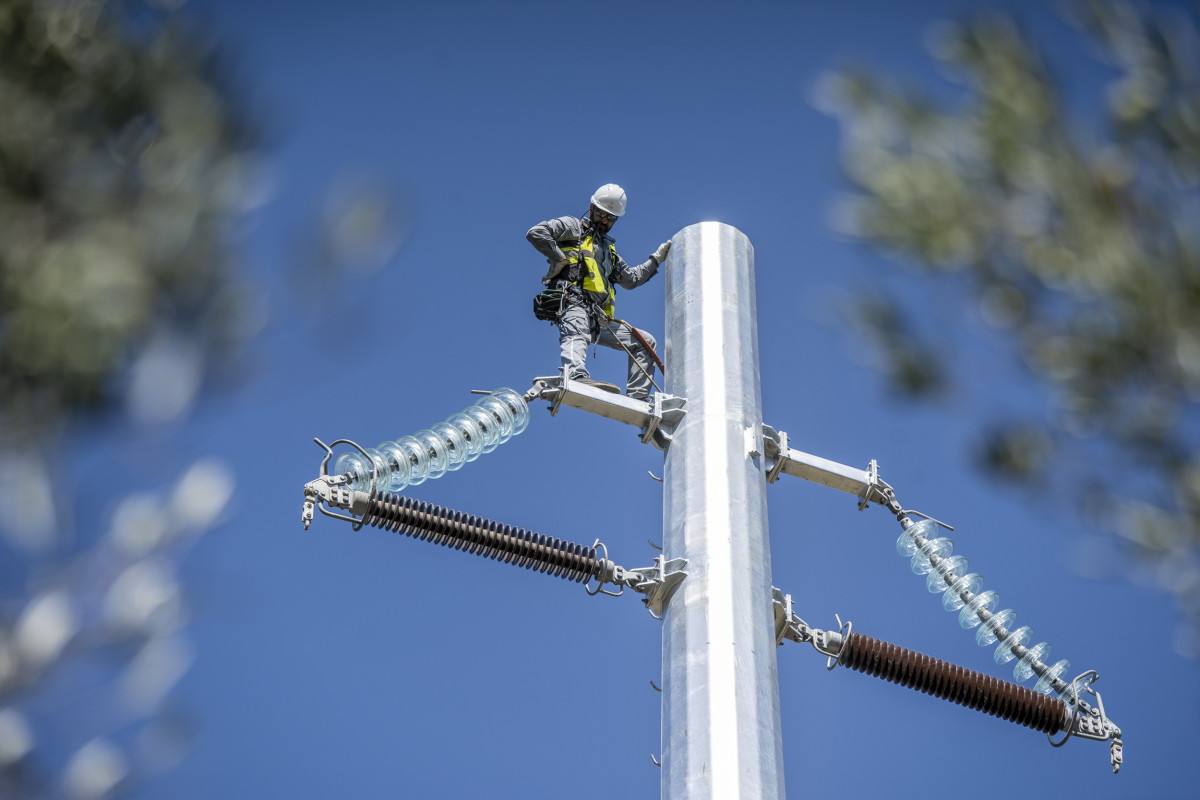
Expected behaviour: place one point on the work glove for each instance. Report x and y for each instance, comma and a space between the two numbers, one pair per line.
660, 255
555, 268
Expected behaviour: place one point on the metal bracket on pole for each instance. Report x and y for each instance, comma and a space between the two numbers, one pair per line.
656, 581
654, 419
787, 624
780, 441
658, 587
790, 626
665, 413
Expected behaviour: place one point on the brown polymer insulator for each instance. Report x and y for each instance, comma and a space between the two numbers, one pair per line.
966, 687
480, 536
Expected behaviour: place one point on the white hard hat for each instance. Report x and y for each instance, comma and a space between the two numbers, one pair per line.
610, 198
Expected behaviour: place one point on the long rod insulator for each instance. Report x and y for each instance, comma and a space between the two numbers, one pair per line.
966, 687
484, 537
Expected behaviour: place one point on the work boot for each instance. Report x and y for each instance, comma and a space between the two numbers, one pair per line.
608, 387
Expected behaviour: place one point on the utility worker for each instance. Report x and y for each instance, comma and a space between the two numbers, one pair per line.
584, 263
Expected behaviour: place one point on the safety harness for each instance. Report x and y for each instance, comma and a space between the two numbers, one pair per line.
593, 281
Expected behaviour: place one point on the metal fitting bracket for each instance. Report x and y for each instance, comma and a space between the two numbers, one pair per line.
780, 440
879, 492
1090, 722
332, 491
788, 625
666, 411
658, 586
656, 581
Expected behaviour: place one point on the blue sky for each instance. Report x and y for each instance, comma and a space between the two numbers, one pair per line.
333, 663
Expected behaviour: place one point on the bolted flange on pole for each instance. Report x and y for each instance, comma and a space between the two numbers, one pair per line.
721, 735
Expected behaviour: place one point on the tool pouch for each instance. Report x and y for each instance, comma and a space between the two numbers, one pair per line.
548, 304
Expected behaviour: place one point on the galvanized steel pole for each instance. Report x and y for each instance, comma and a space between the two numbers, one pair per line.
720, 722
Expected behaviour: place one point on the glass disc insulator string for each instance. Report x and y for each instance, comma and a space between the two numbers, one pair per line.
946, 574
440, 448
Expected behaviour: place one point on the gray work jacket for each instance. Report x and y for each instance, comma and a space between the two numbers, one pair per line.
546, 237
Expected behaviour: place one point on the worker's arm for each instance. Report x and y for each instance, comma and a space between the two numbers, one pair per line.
546, 236
628, 277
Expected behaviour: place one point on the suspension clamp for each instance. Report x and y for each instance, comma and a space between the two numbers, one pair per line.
328, 490
332, 491
1090, 722
656, 581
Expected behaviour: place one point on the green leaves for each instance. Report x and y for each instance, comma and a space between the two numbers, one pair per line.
1080, 244
121, 164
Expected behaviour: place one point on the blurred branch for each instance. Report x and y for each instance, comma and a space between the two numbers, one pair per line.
1080, 244
123, 162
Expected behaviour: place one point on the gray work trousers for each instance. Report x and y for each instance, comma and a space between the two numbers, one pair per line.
575, 333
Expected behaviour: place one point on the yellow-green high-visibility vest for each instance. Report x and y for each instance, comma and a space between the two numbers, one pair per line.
596, 285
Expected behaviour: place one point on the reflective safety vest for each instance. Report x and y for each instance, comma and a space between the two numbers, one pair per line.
595, 284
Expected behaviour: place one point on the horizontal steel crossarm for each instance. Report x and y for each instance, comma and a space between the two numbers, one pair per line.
654, 418
782, 458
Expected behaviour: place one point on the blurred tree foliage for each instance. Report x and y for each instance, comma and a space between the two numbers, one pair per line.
124, 163
1081, 242
120, 162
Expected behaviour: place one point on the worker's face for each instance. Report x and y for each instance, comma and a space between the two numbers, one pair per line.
602, 219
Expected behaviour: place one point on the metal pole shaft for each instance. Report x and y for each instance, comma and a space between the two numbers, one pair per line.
720, 730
